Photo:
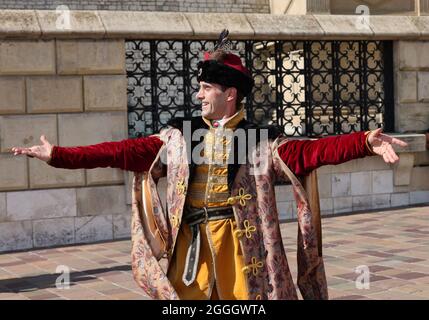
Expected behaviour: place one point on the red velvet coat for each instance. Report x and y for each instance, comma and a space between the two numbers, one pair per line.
301, 156
264, 249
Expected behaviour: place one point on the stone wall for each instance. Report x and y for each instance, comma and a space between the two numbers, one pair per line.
349, 7
74, 92
242, 6
70, 84
411, 71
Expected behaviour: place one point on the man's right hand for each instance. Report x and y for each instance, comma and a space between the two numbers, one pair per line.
42, 152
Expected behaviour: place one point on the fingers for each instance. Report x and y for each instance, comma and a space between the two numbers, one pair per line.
25, 151
399, 142
17, 150
390, 156
43, 139
385, 158
377, 131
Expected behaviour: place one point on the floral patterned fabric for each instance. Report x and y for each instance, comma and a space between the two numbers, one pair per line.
267, 270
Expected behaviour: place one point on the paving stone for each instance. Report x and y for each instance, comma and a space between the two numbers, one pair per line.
382, 240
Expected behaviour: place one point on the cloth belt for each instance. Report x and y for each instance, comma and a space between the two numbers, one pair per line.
193, 218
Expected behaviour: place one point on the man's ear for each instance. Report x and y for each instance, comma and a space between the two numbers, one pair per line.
232, 94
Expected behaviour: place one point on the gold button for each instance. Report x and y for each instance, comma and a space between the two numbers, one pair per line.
248, 229
253, 267
181, 188
231, 200
174, 221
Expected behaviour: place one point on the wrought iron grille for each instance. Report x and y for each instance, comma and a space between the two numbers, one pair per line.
310, 88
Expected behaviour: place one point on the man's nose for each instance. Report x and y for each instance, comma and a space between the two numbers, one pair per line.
200, 95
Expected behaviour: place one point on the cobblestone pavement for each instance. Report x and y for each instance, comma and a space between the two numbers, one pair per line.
393, 244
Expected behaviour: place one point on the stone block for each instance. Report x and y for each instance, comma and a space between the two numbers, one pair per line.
209, 25
361, 183
129, 175
422, 24
423, 87
16, 236
341, 184
91, 128
90, 57
362, 203
284, 193
12, 95
419, 179
41, 204
44, 176
412, 55
105, 93
417, 197
343, 204
325, 185
122, 226
326, 206
371, 163
101, 200
54, 94
325, 169
402, 169
148, 25
92, 229
335, 26
421, 158
286, 210
72, 23
25, 130
384, 27
53, 232
346, 167
104, 176
19, 23
382, 181
13, 172
399, 199
411, 118
399, 189
281, 26
2, 207
416, 142
27, 57
406, 86
380, 201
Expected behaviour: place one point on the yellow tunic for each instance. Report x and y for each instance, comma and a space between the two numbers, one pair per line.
220, 265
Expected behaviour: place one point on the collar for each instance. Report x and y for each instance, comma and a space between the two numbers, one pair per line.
230, 123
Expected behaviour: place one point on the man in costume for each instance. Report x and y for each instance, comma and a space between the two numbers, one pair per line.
219, 233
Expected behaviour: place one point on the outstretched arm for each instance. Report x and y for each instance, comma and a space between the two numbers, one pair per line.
130, 154
303, 156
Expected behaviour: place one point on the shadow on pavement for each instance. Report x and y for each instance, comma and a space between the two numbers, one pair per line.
44, 281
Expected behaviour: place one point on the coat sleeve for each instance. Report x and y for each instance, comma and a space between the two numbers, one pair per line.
303, 156
130, 154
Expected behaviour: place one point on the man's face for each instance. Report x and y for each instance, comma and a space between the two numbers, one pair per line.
213, 100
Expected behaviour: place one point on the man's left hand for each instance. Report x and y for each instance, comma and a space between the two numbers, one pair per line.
381, 144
